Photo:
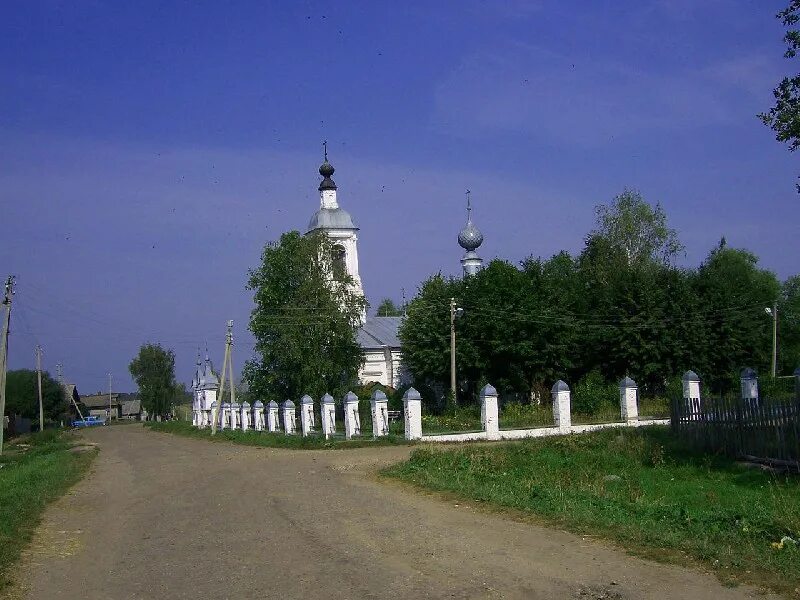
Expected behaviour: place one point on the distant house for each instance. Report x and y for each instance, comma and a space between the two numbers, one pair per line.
380, 347
131, 407
122, 406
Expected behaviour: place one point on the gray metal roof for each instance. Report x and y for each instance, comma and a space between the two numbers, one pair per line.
327, 399
748, 373
488, 390
378, 396
690, 376
560, 386
627, 382
306, 400
377, 332
350, 397
331, 218
412, 394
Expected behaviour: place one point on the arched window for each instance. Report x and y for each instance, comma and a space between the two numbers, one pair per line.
338, 263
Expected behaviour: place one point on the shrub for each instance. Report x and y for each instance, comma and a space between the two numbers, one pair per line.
593, 393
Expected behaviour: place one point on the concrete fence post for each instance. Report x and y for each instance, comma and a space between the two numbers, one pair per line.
245, 416
272, 416
306, 415
491, 421
561, 405
352, 420
412, 408
258, 415
327, 414
235, 408
749, 383
629, 400
214, 413
288, 417
226, 415
797, 383
691, 394
379, 405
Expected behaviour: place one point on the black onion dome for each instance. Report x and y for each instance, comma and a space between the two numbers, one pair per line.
326, 170
470, 238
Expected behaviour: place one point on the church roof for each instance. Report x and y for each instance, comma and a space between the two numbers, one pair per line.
377, 332
331, 218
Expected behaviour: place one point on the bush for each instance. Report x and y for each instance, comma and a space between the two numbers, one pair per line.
593, 394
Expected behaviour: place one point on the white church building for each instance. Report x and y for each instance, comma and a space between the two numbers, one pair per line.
377, 336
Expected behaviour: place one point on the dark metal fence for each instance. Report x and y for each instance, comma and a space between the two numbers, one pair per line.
765, 429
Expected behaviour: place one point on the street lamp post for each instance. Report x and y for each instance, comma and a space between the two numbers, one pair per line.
773, 312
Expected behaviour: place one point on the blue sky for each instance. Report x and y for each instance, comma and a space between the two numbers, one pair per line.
148, 150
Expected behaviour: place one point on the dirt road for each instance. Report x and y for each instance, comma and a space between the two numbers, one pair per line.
162, 516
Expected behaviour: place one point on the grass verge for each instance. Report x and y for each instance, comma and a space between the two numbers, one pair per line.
273, 440
640, 488
34, 471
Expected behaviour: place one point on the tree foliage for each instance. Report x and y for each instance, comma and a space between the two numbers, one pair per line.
22, 396
784, 117
304, 322
387, 308
153, 370
619, 308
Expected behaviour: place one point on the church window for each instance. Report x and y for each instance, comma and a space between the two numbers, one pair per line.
338, 263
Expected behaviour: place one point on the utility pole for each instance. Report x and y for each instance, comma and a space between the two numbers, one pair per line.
39, 378
773, 312
9, 292
108, 412
226, 367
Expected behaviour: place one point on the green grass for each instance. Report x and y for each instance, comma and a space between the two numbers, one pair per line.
275, 440
638, 487
35, 470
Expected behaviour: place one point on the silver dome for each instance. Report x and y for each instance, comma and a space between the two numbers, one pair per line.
470, 238
331, 218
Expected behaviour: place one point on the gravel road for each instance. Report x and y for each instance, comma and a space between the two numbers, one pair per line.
162, 516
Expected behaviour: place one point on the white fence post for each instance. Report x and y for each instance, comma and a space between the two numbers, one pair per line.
288, 417
628, 400
412, 407
561, 406
235, 408
691, 393
214, 413
306, 415
327, 412
272, 416
245, 415
797, 382
749, 381
226, 415
380, 413
258, 415
352, 420
491, 423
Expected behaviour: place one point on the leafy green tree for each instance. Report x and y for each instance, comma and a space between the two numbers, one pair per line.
425, 332
304, 321
153, 370
633, 232
784, 117
22, 396
733, 292
789, 326
387, 308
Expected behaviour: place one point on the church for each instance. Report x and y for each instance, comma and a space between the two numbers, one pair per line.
377, 336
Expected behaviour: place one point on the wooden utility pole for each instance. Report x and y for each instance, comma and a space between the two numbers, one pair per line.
226, 367
108, 412
39, 379
9, 292
774, 340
